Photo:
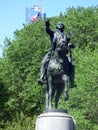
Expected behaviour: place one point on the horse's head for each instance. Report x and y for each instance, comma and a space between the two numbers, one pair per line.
62, 48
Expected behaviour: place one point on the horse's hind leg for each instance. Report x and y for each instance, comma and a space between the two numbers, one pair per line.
47, 96
47, 105
65, 79
50, 90
66, 95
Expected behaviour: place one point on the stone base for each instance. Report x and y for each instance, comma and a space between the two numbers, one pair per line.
55, 119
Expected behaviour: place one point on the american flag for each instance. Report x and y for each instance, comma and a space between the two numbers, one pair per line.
35, 17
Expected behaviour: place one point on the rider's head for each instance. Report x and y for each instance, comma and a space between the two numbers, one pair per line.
60, 26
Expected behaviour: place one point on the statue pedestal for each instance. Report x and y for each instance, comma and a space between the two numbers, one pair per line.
55, 119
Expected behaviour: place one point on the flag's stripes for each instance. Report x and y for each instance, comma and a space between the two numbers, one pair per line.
36, 17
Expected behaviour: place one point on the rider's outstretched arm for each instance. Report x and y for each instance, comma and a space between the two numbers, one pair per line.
49, 31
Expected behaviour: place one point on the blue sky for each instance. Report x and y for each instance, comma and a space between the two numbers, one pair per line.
12, 13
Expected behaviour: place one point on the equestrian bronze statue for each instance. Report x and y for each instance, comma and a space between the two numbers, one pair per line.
56, 66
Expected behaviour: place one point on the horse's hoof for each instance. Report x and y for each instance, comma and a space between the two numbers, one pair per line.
74, 85
66, 97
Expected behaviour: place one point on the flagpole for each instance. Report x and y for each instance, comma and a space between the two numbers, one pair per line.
41, 7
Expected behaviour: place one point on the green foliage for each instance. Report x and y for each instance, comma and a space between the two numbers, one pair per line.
22, 99
84, 97
21, 123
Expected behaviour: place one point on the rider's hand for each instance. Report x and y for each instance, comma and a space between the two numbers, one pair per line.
47, 23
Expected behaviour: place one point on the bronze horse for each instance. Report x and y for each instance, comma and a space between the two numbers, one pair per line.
57, 75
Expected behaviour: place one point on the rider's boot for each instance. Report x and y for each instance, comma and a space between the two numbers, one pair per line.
43, 68
41, 79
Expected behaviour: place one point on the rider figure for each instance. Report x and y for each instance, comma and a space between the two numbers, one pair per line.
59, 29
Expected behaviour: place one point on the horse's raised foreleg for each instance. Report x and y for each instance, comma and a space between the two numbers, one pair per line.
65, 79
